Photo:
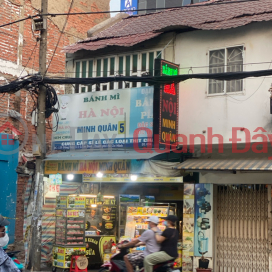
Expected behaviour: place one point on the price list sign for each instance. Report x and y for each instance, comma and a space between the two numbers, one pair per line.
108, 217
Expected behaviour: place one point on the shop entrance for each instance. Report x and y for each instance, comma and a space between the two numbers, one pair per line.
242, 229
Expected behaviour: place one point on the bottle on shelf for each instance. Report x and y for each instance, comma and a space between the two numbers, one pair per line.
113, 248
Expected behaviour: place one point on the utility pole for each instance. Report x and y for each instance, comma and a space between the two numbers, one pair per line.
35, 253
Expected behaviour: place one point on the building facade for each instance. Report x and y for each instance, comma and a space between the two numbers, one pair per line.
234, 118
226, 125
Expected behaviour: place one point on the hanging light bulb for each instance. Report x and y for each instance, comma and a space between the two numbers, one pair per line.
99, 175
70, 176
133, 177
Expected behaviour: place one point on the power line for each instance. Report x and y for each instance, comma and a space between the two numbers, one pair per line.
25, 65
242, 100
187, 6
152, 80
73, 35
117, 11
61, 33
18, 21
181, 68
29, 58
159, 79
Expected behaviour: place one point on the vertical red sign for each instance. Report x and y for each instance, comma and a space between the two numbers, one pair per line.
168, 102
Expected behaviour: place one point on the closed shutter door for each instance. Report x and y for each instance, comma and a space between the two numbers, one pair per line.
242, 229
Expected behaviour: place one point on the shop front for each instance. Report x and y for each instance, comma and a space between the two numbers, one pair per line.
227, 215
108, 162
85, 223
105, 206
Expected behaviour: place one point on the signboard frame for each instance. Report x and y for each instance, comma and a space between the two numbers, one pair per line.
111, 119
166, 96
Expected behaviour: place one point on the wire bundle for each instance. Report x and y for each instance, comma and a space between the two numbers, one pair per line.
51, 101
51, 106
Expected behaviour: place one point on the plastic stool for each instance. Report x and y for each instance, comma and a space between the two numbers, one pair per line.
73, 266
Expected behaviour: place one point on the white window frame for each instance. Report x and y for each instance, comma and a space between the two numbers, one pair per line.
80, 86
142, 5
163, 6
225, 67
116, 67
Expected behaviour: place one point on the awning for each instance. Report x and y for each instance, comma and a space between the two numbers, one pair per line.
115, 162
226, 164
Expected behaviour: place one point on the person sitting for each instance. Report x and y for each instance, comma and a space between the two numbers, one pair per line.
148, 238
169, 245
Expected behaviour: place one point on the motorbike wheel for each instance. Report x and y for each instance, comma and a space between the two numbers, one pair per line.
103, 269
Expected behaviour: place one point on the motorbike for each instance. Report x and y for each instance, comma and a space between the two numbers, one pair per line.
12, 255
117, 264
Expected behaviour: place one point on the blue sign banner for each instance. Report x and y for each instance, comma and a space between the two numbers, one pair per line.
129, 198
129, 6
109, 119
203, 220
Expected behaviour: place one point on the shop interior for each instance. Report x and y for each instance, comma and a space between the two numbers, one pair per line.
98, 214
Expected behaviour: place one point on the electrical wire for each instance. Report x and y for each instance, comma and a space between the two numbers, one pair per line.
61, 33
242, 100
34, 48
32, 83
52, 106
182, 68
116, 11
153, 80
18, 21
80, 38
33, 63
187, 6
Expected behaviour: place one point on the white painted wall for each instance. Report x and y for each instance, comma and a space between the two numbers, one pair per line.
197, 110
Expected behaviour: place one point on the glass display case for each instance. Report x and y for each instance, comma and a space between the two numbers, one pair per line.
70, 227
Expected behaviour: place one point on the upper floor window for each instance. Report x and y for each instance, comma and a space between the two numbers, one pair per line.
135, 64
226, 60
155, 5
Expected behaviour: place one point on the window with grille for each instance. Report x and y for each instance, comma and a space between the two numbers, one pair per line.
136, 64
152, 5
226, 60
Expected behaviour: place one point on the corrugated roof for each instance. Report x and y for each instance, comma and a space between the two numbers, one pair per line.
226, 164
118, 41
207, 16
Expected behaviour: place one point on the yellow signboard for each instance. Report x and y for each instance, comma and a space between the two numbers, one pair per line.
74, 213
62, 256
59, 213
70, 213
61, 201
88, 167
76, 202
87, 178
148, 211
